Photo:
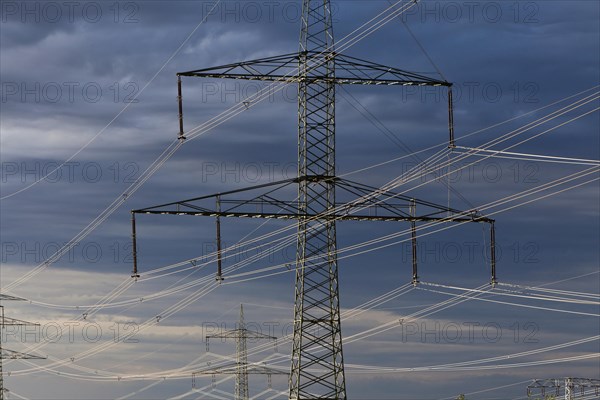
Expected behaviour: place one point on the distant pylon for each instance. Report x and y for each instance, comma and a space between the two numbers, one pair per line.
572, 388
241, 350
11, 354
241, 369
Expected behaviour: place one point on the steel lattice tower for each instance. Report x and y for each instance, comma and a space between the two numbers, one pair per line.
242, 368
317, 367
6, 354
317, 308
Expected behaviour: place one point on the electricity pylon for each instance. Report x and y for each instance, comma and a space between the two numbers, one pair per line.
317, 368
568, 386
6, 354
242, 368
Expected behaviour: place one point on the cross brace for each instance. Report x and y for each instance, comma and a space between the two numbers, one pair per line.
368, 204
349, 70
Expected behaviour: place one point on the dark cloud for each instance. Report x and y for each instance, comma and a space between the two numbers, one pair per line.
65, 78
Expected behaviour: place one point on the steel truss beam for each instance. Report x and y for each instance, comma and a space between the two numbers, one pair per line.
17, 355
363, 203
385, 206
231, 369
348, 71
13, 298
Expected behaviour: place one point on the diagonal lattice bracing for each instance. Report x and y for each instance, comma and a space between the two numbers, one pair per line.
317, 337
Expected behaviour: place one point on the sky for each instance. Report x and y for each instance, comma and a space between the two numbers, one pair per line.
89, 103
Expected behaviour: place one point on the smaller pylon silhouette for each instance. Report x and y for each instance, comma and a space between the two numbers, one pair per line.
6, 354
572, 388
241, 368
